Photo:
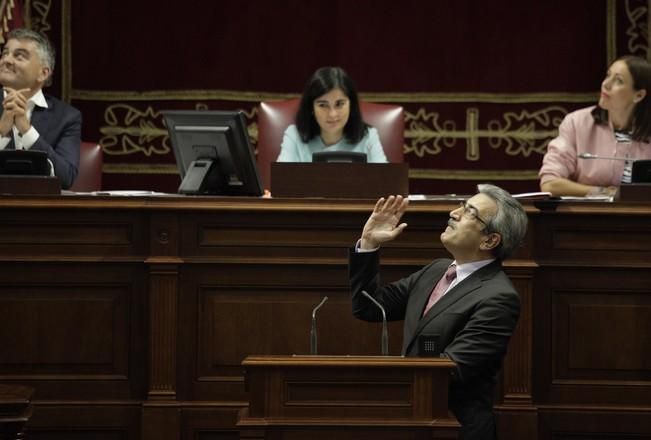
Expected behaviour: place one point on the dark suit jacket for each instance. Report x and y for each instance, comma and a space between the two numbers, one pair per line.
59, 127
472, 323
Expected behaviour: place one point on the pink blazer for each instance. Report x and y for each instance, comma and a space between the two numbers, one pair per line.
578, 133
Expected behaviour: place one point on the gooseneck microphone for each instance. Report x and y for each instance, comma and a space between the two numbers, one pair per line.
594, 156
385, 330
313, 329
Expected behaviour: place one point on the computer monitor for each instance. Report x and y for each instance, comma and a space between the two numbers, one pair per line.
213, 153
24, 162
641, 172
339, 157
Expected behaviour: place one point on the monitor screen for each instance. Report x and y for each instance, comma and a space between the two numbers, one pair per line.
24, 162
641, 172
339, 156
213, 153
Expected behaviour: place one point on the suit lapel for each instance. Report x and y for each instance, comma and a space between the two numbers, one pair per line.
457, 293
421, 297
39, 120
418, 298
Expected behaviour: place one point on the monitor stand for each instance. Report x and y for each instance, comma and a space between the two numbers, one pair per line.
196, 176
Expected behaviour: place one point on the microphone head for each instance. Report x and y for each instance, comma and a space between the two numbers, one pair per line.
587, 156
325, 298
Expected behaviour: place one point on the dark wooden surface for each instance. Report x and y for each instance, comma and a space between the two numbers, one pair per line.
339, 180
354, 395
635, 192
28, 185
130, 317
15, 410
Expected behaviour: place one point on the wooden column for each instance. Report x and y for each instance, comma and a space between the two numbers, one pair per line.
160, 412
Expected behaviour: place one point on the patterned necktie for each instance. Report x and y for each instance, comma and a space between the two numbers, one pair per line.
441, 287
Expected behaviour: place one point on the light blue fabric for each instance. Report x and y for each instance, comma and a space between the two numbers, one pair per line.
293, 149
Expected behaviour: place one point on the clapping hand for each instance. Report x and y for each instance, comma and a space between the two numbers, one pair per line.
383, 224
14, 111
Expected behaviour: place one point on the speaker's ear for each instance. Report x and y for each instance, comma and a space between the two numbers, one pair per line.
491, 241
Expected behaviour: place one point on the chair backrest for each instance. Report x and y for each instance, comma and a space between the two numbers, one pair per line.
91, 162
275, 116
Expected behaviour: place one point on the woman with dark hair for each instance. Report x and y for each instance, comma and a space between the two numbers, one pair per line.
329, 119
618, 127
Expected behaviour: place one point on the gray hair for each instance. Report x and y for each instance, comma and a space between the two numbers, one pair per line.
510, 221
44, 48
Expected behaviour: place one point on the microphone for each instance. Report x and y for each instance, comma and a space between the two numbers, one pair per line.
385, 331
313, 329
594, 156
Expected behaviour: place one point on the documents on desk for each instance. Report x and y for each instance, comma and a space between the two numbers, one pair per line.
434, 197
128, 193
600, 198
537, 195
521, 196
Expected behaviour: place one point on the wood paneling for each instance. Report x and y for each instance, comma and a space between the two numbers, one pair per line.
74, 330
594, 334
595, 423
130, 316
59, 420
71, 233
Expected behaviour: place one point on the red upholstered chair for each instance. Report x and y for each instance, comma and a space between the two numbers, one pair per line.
275, 116
91, 162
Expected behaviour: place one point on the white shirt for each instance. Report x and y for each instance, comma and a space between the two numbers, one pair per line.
467, 269
26, 141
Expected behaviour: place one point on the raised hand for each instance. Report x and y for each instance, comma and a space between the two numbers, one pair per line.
384, 223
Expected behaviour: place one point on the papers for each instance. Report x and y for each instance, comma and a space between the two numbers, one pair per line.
532, 195
603, 198
521, 196
128, 193
416, 197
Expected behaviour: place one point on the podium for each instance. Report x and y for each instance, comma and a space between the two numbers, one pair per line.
346, 398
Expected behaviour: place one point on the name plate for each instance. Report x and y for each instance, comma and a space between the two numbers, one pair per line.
29, 185
339, 180
634, 192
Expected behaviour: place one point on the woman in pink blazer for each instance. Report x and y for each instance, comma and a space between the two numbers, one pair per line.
619, 127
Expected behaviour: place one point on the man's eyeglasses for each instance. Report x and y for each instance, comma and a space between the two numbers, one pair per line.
471, 213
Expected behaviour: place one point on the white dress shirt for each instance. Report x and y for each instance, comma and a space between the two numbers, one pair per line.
25, 141
467, 269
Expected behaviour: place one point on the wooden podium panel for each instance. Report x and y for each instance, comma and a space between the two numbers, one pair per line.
131, 316
15, 410
634, 192
339, 180
26, 185
347, 397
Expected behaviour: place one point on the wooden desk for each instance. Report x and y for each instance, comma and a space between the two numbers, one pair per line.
15, 410
131, 316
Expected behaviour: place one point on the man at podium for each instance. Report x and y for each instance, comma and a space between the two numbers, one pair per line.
465, 309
